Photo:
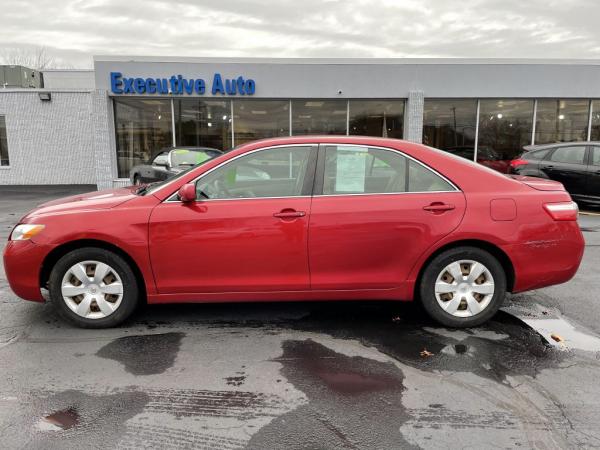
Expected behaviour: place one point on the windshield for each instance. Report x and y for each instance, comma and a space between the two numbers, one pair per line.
150, 188
188, 157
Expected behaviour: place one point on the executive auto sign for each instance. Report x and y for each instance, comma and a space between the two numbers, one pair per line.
178, 85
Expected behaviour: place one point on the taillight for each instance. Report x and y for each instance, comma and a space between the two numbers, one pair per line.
518, 162
562, 210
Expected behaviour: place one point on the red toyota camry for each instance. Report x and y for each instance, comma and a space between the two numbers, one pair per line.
302, 218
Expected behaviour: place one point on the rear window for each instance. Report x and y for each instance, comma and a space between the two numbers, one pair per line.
538, 154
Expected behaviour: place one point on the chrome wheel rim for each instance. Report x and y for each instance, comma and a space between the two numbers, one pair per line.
92, 289
464, 288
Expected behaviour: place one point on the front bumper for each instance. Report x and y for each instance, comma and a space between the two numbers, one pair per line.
23, 264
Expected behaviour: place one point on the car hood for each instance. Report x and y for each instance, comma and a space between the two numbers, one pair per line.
104, 199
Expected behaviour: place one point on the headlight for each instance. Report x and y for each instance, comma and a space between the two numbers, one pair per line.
25, 231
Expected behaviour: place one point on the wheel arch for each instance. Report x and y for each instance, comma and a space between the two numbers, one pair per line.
51, 259
493, 249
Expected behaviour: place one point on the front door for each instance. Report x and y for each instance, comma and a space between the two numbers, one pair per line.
378, 212
247, 231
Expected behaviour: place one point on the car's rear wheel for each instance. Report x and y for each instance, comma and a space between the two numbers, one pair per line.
93, 288
463, 287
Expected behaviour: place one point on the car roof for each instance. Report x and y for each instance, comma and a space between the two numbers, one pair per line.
530, 148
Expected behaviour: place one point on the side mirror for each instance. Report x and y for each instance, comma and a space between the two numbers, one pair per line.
187, 193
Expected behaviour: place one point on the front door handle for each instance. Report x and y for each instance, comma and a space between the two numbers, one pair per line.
439, 207
289, 214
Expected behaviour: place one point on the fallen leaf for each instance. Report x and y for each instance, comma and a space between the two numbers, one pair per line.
557, 337
425, 353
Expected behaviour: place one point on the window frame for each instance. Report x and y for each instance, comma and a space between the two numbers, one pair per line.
308, 185
320, 175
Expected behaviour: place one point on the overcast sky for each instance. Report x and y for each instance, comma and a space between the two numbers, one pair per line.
74, 30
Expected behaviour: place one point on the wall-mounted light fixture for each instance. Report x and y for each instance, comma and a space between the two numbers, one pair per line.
45, 96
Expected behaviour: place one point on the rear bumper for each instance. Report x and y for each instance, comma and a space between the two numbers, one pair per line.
22, 264
547, 261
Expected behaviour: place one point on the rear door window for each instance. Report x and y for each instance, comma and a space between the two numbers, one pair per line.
595, 161
363, 170
569, 155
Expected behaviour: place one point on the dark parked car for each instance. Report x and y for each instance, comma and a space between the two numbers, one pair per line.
169, 162
575, 164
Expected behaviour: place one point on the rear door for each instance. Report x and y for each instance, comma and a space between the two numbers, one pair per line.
567, 164
374, 212
592, 189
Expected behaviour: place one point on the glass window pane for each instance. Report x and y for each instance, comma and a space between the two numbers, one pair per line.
203, 123
570, 155
421, 179
278, 172
561, 121
143, 127
449, 125
537, 155
3, 143
504, 128
362, 170
319, 117
595, 135
596, 156
260, 119
383, 118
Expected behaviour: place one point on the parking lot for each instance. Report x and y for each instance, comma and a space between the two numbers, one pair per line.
351, 375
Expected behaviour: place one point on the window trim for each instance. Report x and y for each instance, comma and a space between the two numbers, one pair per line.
320, 175
310, 174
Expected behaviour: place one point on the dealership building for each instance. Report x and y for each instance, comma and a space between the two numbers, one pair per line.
92, 126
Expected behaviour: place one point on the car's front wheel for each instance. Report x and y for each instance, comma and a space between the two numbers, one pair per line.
463, 287
93, 288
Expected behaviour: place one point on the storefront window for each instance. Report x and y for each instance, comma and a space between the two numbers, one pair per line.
504, 128
203, 123
3, 143
143, 127
450, 125
561, 121
595, 135
319, 117
383, 118
259, 119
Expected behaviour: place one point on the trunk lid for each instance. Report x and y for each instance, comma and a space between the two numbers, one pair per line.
540, 184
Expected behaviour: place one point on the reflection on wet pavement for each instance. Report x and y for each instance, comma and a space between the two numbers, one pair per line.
305, 375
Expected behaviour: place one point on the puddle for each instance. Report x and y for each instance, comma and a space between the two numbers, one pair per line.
352, 402
60, 420
555, 329
149, 354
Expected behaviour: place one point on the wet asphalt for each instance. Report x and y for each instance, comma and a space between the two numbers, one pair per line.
347, 375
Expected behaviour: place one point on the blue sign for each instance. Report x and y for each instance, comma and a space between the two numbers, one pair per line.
177, 85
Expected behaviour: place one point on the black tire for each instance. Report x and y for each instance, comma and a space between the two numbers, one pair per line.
131, 290
437, 264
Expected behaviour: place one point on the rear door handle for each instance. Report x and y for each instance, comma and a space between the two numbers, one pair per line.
439, 207
289, 214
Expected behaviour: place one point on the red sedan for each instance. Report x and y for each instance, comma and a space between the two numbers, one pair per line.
302, 218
